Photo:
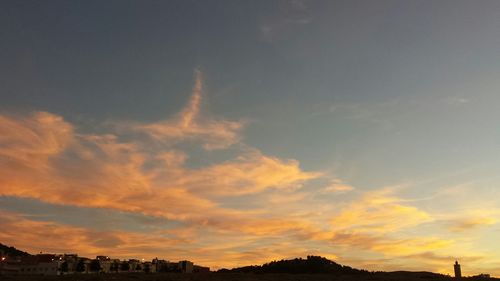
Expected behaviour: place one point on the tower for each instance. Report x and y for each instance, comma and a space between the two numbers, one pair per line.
458, 270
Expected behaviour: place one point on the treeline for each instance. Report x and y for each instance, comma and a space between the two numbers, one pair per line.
310, 265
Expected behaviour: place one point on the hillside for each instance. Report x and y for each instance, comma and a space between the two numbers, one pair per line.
11, 251
316, 265
310, 265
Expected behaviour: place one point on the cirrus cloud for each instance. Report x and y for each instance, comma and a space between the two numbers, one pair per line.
190, 125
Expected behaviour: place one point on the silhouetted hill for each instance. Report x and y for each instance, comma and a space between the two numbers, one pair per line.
315, 265
11, 251
312, 264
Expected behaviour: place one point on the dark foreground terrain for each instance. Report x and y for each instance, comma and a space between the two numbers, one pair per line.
214, 276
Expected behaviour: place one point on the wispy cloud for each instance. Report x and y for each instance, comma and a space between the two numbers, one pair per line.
33, 139
337, 186
380, 211
471, 223
190, 125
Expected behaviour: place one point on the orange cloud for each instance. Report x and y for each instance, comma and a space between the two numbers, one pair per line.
91, 171
32, 140
102, 171
251, 172
44, 159
189, 125
36, 236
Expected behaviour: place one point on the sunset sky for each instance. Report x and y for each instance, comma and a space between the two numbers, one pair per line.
233, 132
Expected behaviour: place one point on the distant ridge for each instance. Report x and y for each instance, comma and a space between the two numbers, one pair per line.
312, 264
321, 265
12, 252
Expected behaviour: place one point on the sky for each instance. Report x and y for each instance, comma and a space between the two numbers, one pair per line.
236, 132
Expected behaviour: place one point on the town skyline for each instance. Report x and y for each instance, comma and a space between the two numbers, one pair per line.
14, 262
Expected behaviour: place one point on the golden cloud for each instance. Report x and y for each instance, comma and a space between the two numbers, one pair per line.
249, 173
379, 211
465, 224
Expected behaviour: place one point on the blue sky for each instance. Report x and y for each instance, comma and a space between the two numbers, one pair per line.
289, 115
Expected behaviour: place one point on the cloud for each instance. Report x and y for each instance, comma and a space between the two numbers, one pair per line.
431, 256
90, 171
33, 139
456, 101
388, 244
46, 236
380, 211
251, 172
337, 186
467, 224
377, 221
102, 171
189, 125
411, 246
44, 157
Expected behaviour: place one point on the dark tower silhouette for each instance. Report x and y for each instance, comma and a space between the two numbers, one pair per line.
458, 270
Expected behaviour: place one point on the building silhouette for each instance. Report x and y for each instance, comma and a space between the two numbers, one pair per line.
458, 270
186, 266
